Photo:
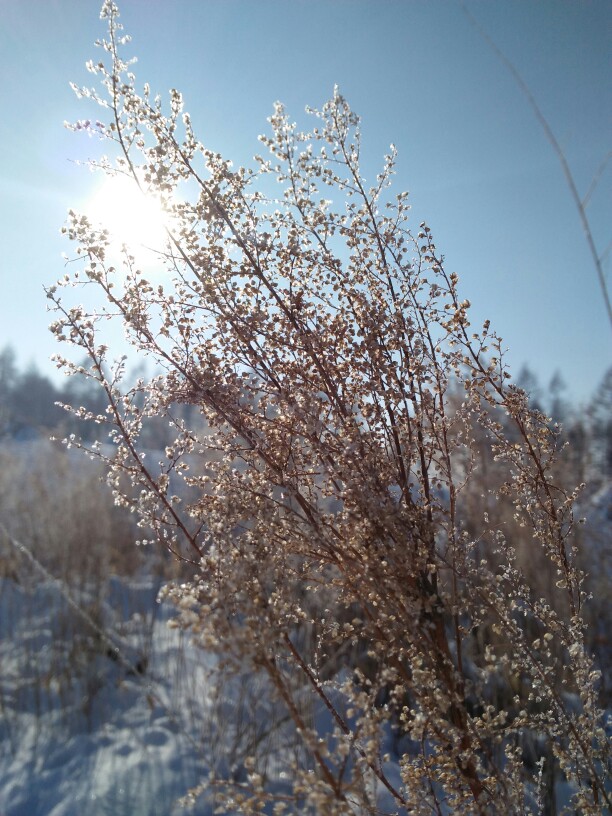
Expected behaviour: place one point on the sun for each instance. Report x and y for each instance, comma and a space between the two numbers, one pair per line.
131, 216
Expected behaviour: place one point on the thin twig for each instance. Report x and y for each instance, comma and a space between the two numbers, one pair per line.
580, 203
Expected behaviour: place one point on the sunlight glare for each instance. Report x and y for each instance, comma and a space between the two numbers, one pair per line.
130, 216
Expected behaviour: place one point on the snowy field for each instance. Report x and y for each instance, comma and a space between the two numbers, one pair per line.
116, 712
106, 709
89, 729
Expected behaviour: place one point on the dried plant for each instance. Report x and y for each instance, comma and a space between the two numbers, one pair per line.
581, 202
321, 501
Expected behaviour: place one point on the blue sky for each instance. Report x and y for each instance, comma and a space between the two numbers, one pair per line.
472, 154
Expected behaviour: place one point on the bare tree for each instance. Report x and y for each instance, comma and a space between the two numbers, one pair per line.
318, 336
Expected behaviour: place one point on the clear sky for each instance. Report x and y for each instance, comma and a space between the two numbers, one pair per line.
472, 154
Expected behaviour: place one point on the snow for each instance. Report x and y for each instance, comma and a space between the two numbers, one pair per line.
107, 736
105, 709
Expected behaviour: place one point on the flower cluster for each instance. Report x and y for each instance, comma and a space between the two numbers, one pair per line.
319, 492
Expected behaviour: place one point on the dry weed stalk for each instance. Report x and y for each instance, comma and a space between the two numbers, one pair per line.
581, 202
318, 337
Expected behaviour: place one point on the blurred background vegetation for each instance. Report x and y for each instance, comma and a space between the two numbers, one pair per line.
55, 501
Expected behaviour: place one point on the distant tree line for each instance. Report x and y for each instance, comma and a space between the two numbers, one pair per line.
29, 401
31, 406
587, 429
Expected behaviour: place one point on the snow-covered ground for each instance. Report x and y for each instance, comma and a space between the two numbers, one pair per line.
106, 709
106, 721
